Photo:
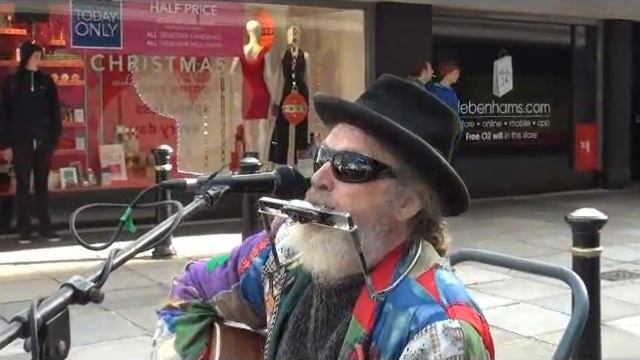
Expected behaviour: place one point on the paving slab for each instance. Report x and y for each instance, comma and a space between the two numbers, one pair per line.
610, 308
519, 289
471, 275
143, 317
507, 245
616, 343
526, 319
133, 348
625, 292
488, 301
26, 290
621, 253
14, 351
525, 349
630, 324
120, 279
501, 336
100, 327
134, 298
162, 273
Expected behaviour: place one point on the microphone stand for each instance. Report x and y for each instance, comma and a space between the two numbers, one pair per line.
51, 320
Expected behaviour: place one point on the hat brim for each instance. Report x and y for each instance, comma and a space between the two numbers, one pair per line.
426, 160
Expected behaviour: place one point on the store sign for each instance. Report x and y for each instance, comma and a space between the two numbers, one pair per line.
159, 64
500, 118
200, 28
505, 122
96, 24
157, 28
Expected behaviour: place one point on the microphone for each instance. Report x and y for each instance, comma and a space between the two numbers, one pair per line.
283, 182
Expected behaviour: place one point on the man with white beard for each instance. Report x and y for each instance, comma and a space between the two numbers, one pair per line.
385, 162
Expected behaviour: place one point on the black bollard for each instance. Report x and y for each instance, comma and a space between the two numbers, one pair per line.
250, 164
586, 224
162, 157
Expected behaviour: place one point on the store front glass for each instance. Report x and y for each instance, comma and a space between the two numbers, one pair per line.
525, 92
213, 80
513, 98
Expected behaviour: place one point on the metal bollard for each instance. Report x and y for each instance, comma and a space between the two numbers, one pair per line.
162, 157
586, 224
250, 164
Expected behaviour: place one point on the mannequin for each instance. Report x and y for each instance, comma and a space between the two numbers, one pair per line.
294, 76
256, 82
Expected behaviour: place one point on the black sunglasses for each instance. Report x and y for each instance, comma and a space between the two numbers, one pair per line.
351, 167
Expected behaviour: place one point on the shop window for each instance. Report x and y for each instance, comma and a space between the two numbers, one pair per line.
512, 97
213, 80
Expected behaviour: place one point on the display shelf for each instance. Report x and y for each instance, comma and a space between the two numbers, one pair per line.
74, 83
49, 63
13, 31
63, 63
65, 152
73, 125
57, 43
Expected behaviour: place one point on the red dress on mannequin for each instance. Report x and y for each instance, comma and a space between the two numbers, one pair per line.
255, 95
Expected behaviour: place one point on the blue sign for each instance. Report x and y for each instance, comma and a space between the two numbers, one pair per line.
96, 24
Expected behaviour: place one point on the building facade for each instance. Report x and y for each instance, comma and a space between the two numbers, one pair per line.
547, 93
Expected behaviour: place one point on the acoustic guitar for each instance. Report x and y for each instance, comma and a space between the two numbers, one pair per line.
230, 342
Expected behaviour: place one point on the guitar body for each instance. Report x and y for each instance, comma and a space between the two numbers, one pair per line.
235, 343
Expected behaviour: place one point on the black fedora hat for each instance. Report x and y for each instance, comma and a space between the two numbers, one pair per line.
415, 124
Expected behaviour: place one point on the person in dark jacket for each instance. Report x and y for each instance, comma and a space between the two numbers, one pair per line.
31, 127
422, 75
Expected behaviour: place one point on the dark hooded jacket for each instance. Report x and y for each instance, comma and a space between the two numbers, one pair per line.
30, 105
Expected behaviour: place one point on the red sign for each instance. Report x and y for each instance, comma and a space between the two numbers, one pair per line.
294, 108
586, 147
196, 27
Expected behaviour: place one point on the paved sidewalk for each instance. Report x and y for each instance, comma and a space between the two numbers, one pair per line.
527, 313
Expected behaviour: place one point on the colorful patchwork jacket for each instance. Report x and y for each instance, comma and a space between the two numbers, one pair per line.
429, 315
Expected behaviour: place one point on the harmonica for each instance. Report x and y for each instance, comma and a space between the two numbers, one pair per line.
305, 212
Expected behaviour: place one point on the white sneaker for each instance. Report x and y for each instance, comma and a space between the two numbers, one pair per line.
24, 240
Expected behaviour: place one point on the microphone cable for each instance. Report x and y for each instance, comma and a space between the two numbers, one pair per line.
126, 220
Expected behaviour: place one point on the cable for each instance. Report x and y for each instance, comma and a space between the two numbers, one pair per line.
126, 219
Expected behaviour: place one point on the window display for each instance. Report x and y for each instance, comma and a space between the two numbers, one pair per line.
212, 84
511, 97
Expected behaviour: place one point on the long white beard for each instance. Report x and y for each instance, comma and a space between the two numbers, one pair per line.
330, 255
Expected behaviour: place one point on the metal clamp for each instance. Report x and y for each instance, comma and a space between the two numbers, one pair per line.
166, 167
586, 252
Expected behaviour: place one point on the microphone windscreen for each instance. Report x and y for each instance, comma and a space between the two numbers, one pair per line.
290, 183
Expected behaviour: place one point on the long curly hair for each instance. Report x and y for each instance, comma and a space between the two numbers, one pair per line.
428, 224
